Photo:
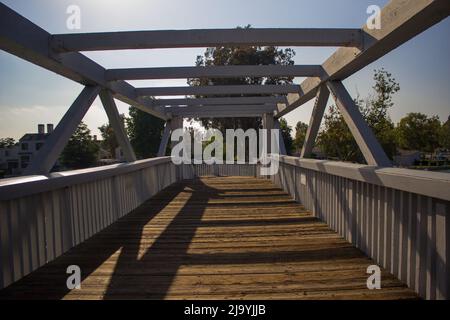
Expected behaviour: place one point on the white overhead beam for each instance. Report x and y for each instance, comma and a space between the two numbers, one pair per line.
364, 137
219, 101
217, 90
46, 157
117, 124
234, 111
316, 119
213, 72
206, 38
26, 40
221, 114
401, 20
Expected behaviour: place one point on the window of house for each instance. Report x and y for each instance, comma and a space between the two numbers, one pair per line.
24, 161
13, 165
24, 146
39, 145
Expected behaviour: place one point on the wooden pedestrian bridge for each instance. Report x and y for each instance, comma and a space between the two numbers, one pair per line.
151, 229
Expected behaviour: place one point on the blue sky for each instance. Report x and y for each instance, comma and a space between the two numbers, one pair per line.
30, 95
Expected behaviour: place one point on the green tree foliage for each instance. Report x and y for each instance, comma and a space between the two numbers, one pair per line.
7, 142
109, 141
376, 111
222, 56
336, 139
417, 131
286, 133
444, 136
81, 151
300, 135
145, 132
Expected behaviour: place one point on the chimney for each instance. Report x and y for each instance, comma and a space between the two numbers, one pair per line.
41, 128
49, 127
95, 137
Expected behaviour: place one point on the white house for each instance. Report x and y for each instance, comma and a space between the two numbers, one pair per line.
15, 159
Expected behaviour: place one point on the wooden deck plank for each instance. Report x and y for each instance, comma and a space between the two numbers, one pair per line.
213, 238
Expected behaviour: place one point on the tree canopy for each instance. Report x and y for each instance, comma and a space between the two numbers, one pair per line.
145, 132
7, 142
81, 151
417, 131
300, 135
109, 141
444, 137
286, 133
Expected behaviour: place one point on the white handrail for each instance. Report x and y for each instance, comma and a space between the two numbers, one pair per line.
23, 186
427, 183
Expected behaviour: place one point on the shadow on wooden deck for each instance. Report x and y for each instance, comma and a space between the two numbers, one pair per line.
214, 238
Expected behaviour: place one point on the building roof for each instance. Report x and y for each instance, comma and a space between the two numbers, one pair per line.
34, 137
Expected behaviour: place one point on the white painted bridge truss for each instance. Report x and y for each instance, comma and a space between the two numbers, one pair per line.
401, 20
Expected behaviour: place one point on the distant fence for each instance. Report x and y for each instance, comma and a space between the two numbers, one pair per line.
398, 217
190, 171
41, 217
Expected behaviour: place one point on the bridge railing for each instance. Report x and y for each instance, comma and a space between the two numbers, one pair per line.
398, 217
42, 217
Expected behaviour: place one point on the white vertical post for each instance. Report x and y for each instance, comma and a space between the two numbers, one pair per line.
117, 124
268, 123
366, 140
442, 252
280, 140
164, 140
176, 123
316, 118
44, 160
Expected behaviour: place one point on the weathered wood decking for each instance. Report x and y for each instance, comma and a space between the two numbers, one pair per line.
213, 238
